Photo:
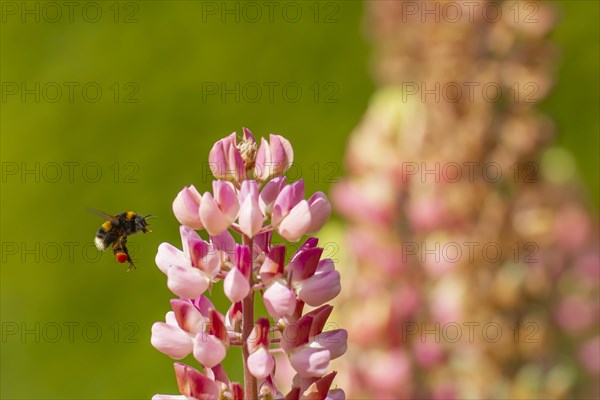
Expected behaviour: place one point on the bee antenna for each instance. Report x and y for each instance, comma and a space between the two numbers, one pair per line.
149, 216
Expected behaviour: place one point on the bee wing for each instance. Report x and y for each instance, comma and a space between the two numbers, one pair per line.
104, 215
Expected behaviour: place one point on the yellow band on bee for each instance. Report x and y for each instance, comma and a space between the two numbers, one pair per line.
130, 215
107, 226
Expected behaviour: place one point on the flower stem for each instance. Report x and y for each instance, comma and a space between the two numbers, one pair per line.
250, 385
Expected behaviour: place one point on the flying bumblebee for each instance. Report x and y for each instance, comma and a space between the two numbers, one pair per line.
115, 230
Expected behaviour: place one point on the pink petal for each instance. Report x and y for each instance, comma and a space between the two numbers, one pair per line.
259, 336
185, 207
279, 300
247, 135
203, 304
187, 282
325, 265
320, 211
214, 220
335, 341
225, 160
289, 196
262, 165
295, 224
171, 319
188, 236
251, 218
248, 189
193, 384
318, 388
309, 361
319, 288
169, 397
187, 316
170, 340
336, 394
218, 160
269, 193
224, 243
217, 326
282, 154
205, 257
236, 169
208, 350
236, 285
168, 255
226, 197
273, 264
234, 315
261, 363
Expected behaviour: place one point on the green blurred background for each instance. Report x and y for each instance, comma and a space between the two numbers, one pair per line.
158, 65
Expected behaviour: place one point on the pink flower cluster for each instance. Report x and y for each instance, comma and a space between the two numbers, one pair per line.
250, 197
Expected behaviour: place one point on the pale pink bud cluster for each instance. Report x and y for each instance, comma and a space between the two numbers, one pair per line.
251, 198
400, 193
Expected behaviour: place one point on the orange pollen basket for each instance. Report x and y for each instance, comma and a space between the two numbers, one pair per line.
121, 257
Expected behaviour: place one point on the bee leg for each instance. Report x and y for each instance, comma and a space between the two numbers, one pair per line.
129, 260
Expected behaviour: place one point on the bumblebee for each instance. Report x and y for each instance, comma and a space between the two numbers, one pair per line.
115, 230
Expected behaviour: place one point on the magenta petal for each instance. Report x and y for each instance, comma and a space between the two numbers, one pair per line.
243, 259
236, 285
320, 211
309, 361
304, 263
208, 350
193, 384
185, 207
214, 220
171, 340
226, 197
168, 255
262, 242
205, 258
187, 282
318, 318
319, 288
259, 336
261, 363
296, 334
203, 304
279, 300
295, 224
